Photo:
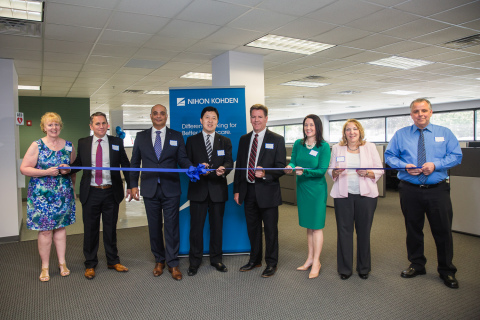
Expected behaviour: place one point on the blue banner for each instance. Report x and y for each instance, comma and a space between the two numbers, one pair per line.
186, 105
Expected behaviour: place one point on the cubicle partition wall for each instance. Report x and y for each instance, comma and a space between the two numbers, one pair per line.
465, 183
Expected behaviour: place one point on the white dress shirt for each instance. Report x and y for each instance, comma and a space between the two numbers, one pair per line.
260, 137
163, 131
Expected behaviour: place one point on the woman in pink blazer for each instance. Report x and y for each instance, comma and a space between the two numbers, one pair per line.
355, 195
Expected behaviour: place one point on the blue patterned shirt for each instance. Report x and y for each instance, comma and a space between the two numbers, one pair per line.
441, 146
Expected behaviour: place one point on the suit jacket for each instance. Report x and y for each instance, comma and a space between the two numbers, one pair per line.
211, 184
267, 188
173, 153
117, 158
369, 158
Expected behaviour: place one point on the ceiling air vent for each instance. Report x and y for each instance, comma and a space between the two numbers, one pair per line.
313, 78
464, 42
134, 91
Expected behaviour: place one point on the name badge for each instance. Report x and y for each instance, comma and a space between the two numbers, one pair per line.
115, 147
268, 145
340, 159
439, 139
313, 153
220, 152
68, 148
173, 143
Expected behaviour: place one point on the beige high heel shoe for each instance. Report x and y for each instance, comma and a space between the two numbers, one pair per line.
304, 268
313, 274
44, 277
65, 271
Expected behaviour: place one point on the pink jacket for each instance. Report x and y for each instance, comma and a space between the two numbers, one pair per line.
369, 158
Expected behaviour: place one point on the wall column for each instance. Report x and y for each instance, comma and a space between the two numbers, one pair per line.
10, 196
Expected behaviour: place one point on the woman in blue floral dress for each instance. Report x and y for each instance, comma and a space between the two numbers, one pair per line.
51, 199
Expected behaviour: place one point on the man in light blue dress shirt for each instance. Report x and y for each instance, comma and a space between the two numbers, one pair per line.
433, 150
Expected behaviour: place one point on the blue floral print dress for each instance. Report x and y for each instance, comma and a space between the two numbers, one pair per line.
50, 200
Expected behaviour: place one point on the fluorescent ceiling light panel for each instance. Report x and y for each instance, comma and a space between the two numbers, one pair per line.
21, 9
400, 92
156, 92
400, 63
37, 88
197, 75
286, 44
336, 101
305, 84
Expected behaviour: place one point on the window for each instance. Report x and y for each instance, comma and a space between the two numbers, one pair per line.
477, 125
374, 129
293, 132
460, 122
130, 136
336, 131
395, 123
278, 129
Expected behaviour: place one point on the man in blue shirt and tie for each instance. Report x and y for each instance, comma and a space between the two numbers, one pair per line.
433, 149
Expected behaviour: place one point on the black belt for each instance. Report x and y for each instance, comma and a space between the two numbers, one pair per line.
425, 186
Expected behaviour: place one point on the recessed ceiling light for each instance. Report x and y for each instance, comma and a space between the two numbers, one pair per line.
336, 101
136, 105
353, 107
22, 10
305, 84
400, 63
156, 92
347, 92
400, 92
197, 75
37, 88
286, 44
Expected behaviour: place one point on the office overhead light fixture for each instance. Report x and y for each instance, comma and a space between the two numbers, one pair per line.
400, 63
197, 75
156, 92
400, 92
21, 9
305, 84
286, 44
36, 88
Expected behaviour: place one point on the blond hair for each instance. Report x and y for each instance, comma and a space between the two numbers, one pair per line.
50, 117
343, 141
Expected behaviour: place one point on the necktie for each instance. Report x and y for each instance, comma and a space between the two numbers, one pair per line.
208, 144
421, 156
158, 144
98, 163
253, 157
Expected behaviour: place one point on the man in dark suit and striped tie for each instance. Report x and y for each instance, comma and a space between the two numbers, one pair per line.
209, 193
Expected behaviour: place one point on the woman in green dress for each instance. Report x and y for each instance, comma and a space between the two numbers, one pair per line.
314, 153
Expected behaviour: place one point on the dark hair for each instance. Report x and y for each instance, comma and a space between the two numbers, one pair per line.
209, 108
318, 129
259, 106
98, 114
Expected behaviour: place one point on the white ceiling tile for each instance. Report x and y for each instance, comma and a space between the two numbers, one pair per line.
474, 25
17, 42
27, 64
460, 14
211, 12
187, 29
300, 8
30, 80
416, 28
98, 68
140, 23
172, 43
29, 71
154, 54
60, 73
401, 47
50, 65
67, 80
453, 57
388, 3
68, 33
7, 53
64, 57
161, 8
123, 38
383, 20
133, 71
108, 4
341, 35
338, 52
303, 28
190, 57
372, 42
114, 50
367, 56
429, 7
67, 46
210, 48
107, 61
72, 15
344, 11
445, 35
261, 20
234, 36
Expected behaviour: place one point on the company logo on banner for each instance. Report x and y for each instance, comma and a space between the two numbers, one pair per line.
186, 105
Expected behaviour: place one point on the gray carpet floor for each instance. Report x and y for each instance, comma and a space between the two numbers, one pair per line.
236, 295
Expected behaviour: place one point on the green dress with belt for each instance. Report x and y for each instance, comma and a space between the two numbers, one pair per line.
311, 185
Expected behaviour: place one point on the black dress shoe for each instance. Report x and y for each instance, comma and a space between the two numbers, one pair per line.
363, 275
345, 276
449, 281
250, 266
192, 271
219, 266
268, 272
412, 272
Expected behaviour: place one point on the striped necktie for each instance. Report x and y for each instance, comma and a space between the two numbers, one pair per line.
421, 156
253, 157
208, 144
